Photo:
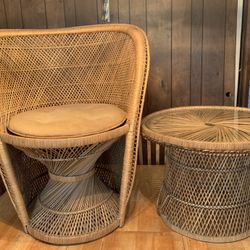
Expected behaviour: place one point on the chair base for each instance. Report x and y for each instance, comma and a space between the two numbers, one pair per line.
64, 228
75, 206
57, 240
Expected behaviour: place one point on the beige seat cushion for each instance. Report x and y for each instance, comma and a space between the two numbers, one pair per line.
72, 120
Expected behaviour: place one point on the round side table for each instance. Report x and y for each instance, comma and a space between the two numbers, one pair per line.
206, 192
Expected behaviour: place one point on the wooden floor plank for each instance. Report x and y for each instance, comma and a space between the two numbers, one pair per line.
144, 229
142, 214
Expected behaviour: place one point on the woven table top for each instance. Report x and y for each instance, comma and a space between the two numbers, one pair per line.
201, 127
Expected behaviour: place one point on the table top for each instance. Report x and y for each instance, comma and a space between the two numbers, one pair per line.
200, 127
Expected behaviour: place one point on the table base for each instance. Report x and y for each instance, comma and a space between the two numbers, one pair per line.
206, 195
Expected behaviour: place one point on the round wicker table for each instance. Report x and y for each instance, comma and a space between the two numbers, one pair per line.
206, 192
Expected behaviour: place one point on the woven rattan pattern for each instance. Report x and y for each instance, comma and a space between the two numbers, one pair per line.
201, 127
207, 193
86, 76
31, 175
93, 64
74, 203
64, 158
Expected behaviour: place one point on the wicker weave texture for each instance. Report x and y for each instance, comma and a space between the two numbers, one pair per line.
91, 64
58, 69
203, 127
206, 194
75, 206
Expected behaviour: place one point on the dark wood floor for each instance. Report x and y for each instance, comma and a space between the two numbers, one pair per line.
143, 230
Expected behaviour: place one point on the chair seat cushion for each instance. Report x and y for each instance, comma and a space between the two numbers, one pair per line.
72, 120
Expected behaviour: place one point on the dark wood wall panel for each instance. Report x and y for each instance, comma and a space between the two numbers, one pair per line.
86, 12
99, 11
124, 13
245, 59
55, 13
230, 48
13, 13
114, 11
33, 13
70, 13
160, 37
196, 51
138, 13
213, 52
181, 47
3, 20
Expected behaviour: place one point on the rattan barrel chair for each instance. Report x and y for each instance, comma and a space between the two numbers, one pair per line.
71, 186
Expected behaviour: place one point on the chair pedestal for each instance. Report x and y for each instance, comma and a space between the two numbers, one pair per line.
75, 206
